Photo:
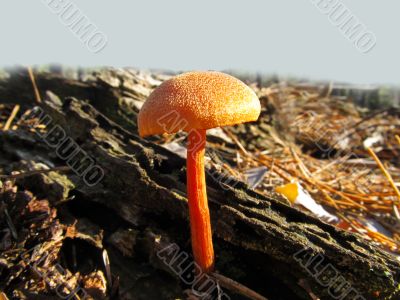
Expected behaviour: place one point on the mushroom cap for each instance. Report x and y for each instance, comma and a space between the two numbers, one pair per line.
197, 100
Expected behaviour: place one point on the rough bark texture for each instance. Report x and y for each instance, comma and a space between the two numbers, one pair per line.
259, 241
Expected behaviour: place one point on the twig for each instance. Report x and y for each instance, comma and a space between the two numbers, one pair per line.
398, 139
236, 141
396, 213
106, 262
237, 287
35, 88
11, 117
384, 171
302, 167
34, 172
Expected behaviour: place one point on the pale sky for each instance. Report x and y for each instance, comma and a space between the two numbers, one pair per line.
286, 37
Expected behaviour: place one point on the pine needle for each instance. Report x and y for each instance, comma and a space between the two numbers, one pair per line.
385, 172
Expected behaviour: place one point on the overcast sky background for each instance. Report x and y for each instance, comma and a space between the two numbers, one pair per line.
287, 37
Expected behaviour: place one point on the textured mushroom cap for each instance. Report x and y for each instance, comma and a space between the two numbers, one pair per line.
197, 100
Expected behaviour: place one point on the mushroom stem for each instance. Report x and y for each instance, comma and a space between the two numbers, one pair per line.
199, 213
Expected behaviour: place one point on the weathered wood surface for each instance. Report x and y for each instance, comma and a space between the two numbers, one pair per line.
260, 241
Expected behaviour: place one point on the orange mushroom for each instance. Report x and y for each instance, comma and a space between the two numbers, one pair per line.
195, 102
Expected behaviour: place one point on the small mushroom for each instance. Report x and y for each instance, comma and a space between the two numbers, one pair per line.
195, 102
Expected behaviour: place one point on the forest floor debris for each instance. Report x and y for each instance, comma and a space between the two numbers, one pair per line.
323, 143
